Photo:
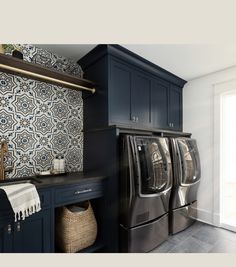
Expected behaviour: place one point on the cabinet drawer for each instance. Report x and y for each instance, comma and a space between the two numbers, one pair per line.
77, 193
45, 198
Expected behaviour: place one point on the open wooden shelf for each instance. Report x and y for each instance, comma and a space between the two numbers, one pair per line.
22, 68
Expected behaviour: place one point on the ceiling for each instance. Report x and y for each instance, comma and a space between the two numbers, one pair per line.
184, 60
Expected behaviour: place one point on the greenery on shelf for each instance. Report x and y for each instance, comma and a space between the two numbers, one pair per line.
9, 48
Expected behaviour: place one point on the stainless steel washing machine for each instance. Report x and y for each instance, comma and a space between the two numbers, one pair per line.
186, 178
145, 186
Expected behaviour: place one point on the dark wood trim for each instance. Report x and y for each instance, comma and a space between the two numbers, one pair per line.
41, 70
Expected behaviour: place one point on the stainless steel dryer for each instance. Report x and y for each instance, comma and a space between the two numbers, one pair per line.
186, 178
145, 186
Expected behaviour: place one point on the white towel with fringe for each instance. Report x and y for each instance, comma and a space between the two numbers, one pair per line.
24, 199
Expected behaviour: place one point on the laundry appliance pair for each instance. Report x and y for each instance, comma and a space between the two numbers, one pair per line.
159, 178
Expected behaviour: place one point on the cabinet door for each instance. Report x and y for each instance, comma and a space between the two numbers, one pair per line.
140, 99
159, 104
33, 235
175, 108
1, 239
4, 240
6, 236
119, 94
6, 224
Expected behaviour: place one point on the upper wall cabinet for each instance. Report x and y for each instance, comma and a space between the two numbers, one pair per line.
160, 104
175, 107
121, 77
129, 95
141, 99
130, 91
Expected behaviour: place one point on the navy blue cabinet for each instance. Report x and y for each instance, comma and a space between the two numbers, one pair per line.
6, 225
77, 193
129, 95
166, 106
6, 241
130, 91
160, 104
120, 93
33, 234
1, 239
30, 235
140, 99
175, 108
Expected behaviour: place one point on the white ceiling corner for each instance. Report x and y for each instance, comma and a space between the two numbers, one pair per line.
184, 60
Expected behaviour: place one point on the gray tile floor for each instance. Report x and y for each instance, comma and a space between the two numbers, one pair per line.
200, 238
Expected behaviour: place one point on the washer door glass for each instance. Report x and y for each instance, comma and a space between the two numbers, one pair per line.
155, 165
190, 161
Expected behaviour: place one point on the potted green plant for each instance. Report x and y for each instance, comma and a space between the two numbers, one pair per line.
13, 50
1, 49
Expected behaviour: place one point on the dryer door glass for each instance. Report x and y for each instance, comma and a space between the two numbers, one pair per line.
190, 161
154, 164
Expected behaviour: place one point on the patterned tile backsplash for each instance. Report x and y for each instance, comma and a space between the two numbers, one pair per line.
39, 120
40, 56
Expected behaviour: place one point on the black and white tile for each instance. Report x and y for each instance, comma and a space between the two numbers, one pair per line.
41, 121
40, 56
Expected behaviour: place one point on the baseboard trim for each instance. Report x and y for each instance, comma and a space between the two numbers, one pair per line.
216, 219
204, 216
213, 219
228, 227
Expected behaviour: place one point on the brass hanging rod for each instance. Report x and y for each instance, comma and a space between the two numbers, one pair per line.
46, 78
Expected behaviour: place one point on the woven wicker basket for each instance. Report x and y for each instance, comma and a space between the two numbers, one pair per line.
75, 231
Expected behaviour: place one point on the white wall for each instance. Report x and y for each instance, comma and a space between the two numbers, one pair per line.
198, 110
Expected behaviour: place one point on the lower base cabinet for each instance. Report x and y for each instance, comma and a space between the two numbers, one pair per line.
35, 234
29, 236
5, 239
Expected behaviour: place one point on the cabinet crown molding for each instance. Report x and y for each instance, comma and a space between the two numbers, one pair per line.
131, 58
